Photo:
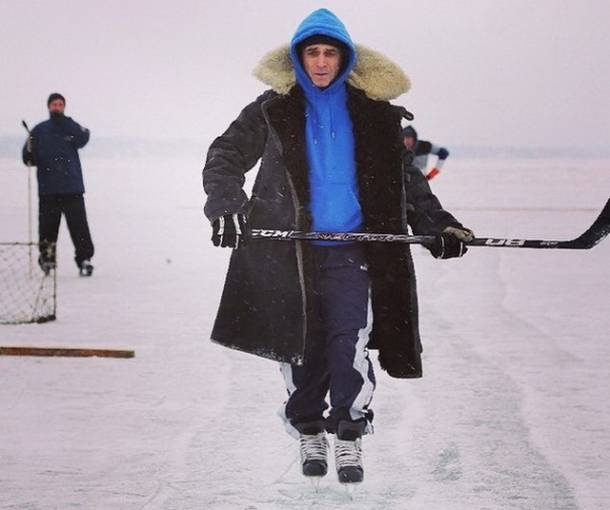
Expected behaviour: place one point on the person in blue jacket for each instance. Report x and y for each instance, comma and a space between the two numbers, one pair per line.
53, 148
332, 159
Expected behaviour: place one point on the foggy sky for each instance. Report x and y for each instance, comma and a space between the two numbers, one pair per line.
497, 72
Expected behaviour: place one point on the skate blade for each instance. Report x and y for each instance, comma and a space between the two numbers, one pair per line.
350, 489
315, 482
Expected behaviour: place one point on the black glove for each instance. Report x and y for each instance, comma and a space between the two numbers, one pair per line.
28, 159
443, 153
28, 153
451, 243
228, 230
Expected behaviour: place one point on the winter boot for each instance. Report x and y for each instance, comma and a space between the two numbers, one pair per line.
314, 447
348, 451
85, 268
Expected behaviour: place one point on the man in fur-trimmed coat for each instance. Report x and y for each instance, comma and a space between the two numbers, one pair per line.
332, 160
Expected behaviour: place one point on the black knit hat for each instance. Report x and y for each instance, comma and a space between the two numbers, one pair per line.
54, 96
322, 39
409, 131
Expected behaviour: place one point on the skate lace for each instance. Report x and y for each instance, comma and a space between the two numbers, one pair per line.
348, 453
313, 447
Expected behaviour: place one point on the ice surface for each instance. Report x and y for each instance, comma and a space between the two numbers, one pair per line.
512, 413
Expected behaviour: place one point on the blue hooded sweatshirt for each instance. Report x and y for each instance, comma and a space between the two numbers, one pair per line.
329, 137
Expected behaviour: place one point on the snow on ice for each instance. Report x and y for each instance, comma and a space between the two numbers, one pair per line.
512, 412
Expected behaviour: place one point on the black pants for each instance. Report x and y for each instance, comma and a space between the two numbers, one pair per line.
50, 208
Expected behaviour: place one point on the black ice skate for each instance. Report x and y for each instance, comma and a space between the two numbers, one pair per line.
85, 268
314, 448
348, 451
46, 265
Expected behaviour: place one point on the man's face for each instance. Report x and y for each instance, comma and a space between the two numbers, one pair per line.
409, 142
322, 63
56, 106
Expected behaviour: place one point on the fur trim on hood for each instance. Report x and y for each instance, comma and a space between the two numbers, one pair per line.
374, 73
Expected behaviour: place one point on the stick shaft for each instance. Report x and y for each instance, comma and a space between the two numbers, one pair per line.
30, 217
290, 235
25, 125
488, 242
591, 237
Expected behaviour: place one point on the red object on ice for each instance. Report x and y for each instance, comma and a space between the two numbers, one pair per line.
433, 173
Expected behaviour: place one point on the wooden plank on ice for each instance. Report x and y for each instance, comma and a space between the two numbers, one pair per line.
73, 352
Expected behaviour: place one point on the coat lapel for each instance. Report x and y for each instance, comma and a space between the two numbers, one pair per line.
378, 160
287, 117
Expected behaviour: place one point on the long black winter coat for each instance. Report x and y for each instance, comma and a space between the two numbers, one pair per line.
55, 145
269, 305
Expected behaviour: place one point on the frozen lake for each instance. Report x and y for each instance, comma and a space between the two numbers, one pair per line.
512, 412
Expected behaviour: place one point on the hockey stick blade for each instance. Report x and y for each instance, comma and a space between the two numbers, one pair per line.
587, 240
591, 237
595, 233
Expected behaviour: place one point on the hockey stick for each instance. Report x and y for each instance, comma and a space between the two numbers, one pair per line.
29, 164
588, 239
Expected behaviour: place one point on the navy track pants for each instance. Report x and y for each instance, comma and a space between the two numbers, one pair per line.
341, 363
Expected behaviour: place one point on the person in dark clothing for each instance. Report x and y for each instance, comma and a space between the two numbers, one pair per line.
332, 159
53, 148
421, 150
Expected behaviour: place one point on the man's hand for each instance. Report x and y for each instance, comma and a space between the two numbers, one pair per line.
28, 153
451, 243
228, 230
442, 153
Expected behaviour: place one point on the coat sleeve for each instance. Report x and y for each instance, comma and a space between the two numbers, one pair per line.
423, 148
78, 135
230, 156
425, 214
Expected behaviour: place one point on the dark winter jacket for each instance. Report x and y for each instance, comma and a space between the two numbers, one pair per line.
269, 305
55, 145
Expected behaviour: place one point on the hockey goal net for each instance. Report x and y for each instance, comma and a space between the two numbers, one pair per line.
27, 294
